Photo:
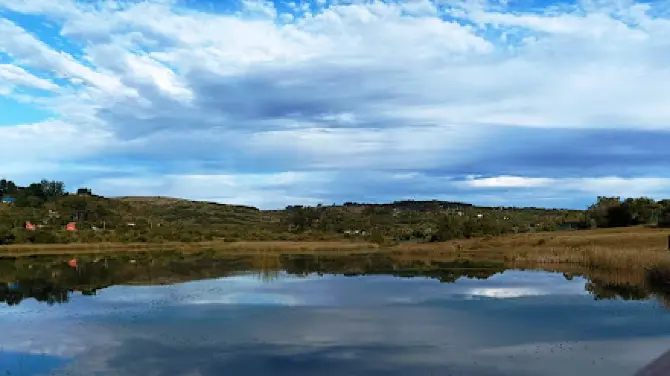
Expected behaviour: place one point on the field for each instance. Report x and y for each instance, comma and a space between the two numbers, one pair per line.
606, 248
16, 250
622, 248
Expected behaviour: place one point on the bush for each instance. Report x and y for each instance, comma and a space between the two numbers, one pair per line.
664, 218
377, 237
44, 237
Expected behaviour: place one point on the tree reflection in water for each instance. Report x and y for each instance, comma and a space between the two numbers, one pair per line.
51, 280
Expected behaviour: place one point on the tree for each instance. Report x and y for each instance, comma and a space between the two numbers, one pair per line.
664, 213
449, 227
642, 210
7, 187
609, 212
619, 216
664, 204
52, 189
664, 217
377, 237
33, 190
301, 217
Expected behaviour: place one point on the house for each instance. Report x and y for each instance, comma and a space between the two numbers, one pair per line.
7, 200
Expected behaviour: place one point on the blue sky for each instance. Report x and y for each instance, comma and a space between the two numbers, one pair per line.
537, 103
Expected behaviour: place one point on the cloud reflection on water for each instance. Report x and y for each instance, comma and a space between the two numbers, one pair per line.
338, 325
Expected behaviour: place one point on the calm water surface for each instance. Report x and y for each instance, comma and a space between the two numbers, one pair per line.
301, 323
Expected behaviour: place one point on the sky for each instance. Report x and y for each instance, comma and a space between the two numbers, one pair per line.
494, 102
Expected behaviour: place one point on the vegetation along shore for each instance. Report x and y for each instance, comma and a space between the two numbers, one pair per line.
44, 217
52, 278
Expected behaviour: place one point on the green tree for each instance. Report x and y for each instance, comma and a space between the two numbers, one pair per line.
642, 210
302, 218
52, 189
7, 187
664, 217
377, 237
609, 212
449, 227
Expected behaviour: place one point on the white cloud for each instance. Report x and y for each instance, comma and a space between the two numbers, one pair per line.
276, 190
51, 335
49, 141
14, 75
509, 182
264, 190
612, 185
30, 51
410, 87
252, 298
242, 290
507, 292
55, 8
415, 54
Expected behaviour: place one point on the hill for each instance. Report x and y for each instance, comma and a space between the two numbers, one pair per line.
48, 208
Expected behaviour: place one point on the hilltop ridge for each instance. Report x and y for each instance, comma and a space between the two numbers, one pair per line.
49, 208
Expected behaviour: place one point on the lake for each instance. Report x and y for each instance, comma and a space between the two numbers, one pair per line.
360, 314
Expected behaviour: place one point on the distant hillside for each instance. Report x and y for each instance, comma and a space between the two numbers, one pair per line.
170, 210
47, 209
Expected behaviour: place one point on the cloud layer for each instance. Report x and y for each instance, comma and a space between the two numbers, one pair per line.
270, 103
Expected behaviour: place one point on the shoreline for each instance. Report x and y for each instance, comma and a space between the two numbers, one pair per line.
607, 248
75, 248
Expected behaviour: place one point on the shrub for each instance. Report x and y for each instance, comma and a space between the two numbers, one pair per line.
664, 218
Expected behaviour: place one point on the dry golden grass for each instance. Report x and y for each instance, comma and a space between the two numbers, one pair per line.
244, 246
607, 248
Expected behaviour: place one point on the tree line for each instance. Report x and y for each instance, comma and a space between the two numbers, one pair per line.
50, 207
618, 212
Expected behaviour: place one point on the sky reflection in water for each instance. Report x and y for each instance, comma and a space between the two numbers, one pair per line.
514, 323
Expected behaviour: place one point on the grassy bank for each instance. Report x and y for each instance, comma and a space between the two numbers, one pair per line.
607, 248
242, 246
